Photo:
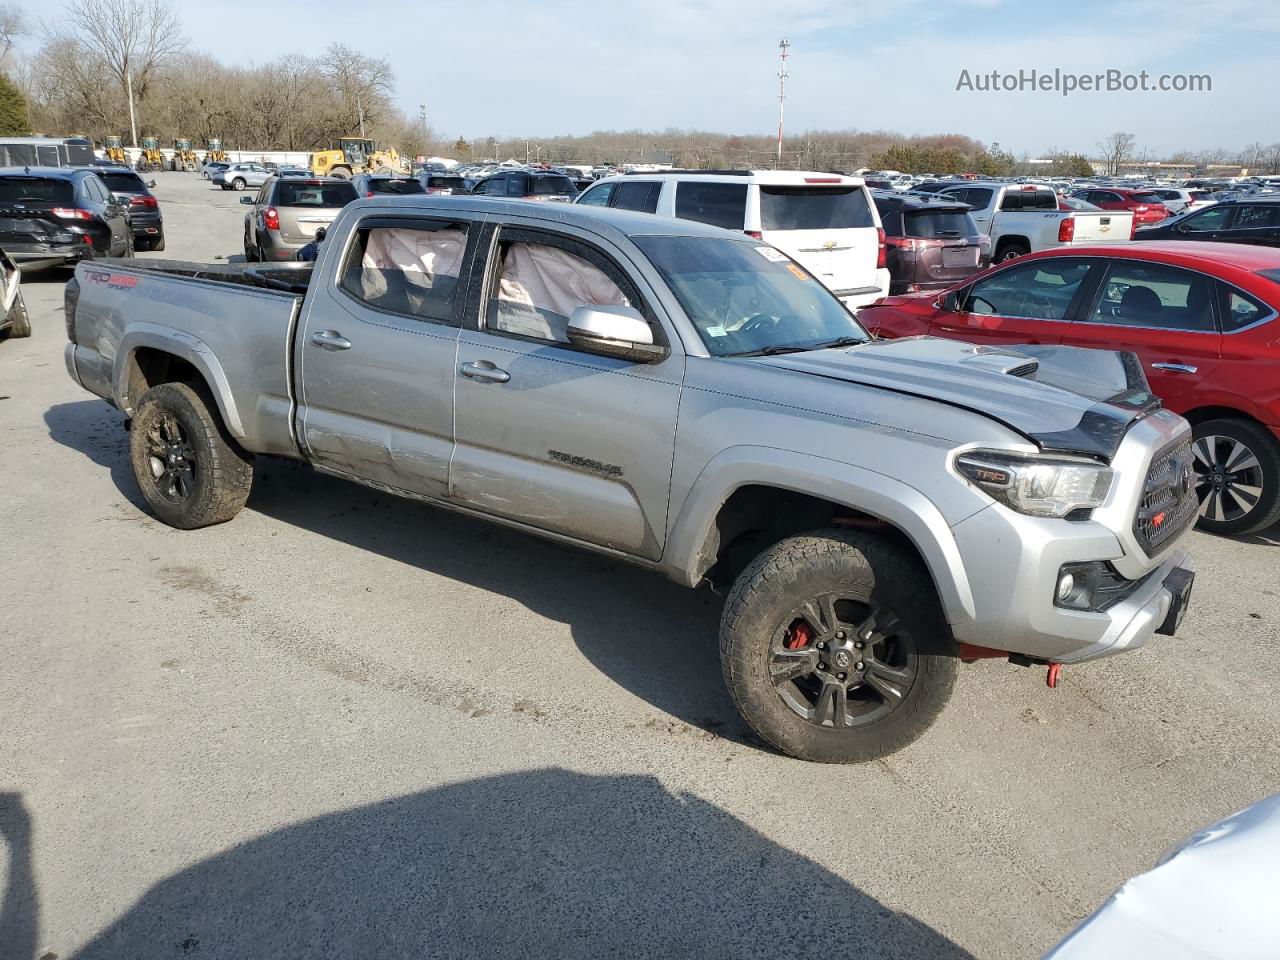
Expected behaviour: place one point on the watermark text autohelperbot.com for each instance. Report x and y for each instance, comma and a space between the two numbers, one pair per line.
1061, 82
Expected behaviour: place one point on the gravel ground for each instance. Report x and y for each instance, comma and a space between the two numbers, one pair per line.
348, 726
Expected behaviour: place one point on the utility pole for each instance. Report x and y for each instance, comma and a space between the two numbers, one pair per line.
128, 89
784, 46
360, 110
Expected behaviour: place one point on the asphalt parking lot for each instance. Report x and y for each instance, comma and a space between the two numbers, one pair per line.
344, 725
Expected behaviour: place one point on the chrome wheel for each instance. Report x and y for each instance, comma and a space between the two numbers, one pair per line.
1229, 478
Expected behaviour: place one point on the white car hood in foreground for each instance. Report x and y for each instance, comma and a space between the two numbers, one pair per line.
1216, 898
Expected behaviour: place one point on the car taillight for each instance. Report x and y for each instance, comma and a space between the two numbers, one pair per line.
1067, 230
754, 234
902, 243
146, 201
1140, 209
271, 217
368, 193
881, 252
70, 213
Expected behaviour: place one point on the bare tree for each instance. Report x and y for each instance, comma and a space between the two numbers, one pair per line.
12, 25
363, 86
1115, 150
132, 38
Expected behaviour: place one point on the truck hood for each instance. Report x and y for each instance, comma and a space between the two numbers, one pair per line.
1064, 399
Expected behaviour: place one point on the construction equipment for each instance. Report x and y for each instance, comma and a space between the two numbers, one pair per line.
184, 158
151, 159
357, 155
214, 153
115, 151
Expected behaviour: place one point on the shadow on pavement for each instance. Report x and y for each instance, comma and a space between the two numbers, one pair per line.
20, 907
543, 864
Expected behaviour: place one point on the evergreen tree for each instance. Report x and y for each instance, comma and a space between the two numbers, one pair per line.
14, 120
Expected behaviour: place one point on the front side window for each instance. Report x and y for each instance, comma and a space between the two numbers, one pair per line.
1037, 291
719, 204
597, 196
493, 187
1136, 294
641, 195
540, 285
747, 298
1215, 218
412, 270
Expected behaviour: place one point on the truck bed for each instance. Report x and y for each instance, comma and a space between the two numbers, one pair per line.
233, 322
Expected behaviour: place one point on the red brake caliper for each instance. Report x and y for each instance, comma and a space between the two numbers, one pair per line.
800, 635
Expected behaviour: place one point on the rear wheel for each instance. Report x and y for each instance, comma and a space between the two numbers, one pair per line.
1237, 476
250, 250
238, 183
1011, 250
19, 320
342, 173
190, 471
835, 649
157, 242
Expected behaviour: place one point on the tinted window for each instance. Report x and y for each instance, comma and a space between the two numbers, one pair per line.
539, 286
978, 197
123, 182
493, 187
597, 196
456, 184
553, 187
1146, 197
1029, 200
1153, 295
744, 297
93, 189
939, 223
1215, 218
639, 195
1243, 311
1102, 196
398, 187
719, 204
813, 208
304, 193
1257, 216
1040, 291
407, 270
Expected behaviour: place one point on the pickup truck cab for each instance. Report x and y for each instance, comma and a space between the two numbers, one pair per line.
1022, 218
688, 399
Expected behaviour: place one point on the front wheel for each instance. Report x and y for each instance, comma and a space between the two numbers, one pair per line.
835, 649
19, 320
1237, 467
191, 473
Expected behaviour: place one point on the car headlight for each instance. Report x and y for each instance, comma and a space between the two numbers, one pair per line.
1037, 486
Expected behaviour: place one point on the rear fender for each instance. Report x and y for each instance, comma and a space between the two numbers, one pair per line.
184, 346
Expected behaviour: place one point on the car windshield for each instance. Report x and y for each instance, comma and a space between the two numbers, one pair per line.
813, 208
748, 298
395, 186
939, 223
35, 190
313, 193
123, 182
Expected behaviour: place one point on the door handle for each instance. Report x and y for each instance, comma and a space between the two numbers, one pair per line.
484, 371
1175, 367
331, 340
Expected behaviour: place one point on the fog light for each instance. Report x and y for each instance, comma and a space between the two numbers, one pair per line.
1066, 584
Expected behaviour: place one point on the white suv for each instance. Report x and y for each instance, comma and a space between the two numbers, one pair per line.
825, 222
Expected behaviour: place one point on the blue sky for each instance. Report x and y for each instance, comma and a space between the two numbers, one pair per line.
531, 68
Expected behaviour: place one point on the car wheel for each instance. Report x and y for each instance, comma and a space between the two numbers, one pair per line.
1011, 251
238, 183
1237, 477
190, 471
250, 249
834, 647
157, 242
19, 320
130, 246
342, 173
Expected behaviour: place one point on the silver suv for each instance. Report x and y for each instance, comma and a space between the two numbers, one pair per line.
288, 211
241, 175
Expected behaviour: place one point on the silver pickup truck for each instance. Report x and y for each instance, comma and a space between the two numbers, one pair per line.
687, 399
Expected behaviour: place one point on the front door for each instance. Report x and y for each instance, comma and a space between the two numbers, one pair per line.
377, 354
1027, 302
550, 435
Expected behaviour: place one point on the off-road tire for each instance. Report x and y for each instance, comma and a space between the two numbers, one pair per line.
857, 564
342, 173
1263, 444
19, 321
223, 473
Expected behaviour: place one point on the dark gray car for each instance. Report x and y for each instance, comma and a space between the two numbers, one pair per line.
288, 211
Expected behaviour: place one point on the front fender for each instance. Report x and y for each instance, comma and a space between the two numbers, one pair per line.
185, 346
881, 496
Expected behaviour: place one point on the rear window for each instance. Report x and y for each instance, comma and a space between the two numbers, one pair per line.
1029, 200
309, 193
552, 187
123, 182
719, 204
940, 223
814, 208
35, 190
1145, 197
447, 183
398, 187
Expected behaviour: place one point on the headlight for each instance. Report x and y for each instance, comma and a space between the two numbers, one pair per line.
1037, 486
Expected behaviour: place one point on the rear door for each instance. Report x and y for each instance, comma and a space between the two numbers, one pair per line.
829, 229
1166, 315
548, 434
979, 200
375, 359
1257, 223
1027, 302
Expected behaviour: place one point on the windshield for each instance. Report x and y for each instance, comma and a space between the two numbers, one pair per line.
813, 208
745, 297
35, 190
395, 186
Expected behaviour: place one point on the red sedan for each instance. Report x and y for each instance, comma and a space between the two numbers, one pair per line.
1202, 318
1146, 207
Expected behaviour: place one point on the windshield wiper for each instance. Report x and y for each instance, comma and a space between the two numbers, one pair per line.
771, 351
838, 342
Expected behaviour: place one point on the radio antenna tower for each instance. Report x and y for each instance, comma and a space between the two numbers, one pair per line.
784, 46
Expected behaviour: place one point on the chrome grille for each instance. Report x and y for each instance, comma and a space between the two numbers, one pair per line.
1169, 501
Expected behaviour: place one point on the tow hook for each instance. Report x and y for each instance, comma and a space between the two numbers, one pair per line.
1055, 672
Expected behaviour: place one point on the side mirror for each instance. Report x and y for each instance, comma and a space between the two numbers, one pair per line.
614, 332
951, 302
248, 200
151, 183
